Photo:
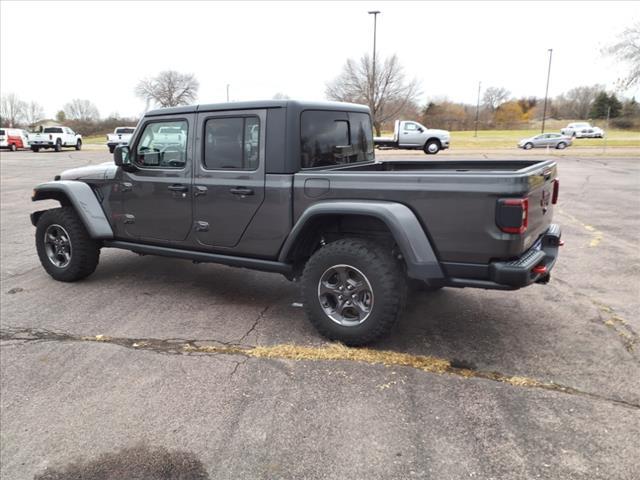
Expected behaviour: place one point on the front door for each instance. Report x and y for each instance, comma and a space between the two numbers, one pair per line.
410, 135
229, 175
157, 195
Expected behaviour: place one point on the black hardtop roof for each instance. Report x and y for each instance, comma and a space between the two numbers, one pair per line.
261, 104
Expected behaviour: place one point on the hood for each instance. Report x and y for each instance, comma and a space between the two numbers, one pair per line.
101, 171
439, 133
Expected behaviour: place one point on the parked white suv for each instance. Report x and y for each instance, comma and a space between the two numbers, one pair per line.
56, 138
582, 130
120, 136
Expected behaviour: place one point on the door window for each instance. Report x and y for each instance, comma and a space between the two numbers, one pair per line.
163, 145
232, 143
410, 126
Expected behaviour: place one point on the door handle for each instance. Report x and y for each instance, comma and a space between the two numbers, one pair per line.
243, 191
177, 188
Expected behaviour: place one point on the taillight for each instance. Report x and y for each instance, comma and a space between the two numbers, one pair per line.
512, 215
556, 191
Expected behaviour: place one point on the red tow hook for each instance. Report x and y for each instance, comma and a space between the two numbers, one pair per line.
539, 269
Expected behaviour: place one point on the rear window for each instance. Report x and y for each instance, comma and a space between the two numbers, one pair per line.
1, 132
124, 131
330, 138
53, 130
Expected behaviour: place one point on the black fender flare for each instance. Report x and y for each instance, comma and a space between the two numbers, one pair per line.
407, 231
81, 197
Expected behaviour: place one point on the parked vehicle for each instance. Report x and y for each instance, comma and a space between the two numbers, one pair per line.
13, 138
56, 138
544, 140
582, 130
413, 136
294, 188
120, 136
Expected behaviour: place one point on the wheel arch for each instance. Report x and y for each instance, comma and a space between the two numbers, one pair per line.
370, 218
81, 197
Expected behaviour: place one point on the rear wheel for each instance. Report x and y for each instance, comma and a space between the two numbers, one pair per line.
528, 146
58, 146
111, 149
432, 147
354, 291
561, 146
13, 147
65, 249
35, 149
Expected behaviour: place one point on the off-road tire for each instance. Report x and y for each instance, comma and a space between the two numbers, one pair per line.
58, 146
85, 252
432, 147
79, 145
385, 275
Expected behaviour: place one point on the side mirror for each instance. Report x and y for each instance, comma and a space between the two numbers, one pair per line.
122, 157
420, 129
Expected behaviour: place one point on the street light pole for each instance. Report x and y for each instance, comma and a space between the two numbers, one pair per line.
546, 93
372, 86
478, 109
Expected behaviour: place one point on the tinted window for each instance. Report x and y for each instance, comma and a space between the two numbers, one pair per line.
232, 143
124, 130
163, 145
332, 138
53, 130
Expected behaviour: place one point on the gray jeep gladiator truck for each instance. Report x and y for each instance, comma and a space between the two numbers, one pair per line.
294, 188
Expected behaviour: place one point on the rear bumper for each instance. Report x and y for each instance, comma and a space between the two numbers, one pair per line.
533, 266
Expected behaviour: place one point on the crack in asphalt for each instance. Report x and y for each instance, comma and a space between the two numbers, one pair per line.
255, 323
328, 352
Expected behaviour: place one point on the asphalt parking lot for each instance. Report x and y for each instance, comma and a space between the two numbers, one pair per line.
542, 383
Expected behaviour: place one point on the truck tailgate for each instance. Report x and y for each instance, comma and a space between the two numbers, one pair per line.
543, 185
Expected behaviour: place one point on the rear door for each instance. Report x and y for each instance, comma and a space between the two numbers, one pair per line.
229, 174
157, 196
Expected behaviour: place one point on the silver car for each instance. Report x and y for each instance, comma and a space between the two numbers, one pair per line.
551, 140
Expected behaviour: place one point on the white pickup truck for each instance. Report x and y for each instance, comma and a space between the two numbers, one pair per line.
411, 135
120, 136
56, 138
582, 130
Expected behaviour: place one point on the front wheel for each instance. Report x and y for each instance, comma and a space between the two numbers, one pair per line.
65, 249
79, 145
432, 147
354, 291
528, 146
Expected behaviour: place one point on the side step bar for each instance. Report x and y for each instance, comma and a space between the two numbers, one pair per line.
243, 262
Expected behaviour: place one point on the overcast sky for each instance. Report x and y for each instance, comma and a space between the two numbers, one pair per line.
55, 51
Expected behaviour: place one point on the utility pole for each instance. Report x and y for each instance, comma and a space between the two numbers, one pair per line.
227, 93
478, 109
372, 87
546, 93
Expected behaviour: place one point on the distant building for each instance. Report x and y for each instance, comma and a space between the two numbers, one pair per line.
40, 124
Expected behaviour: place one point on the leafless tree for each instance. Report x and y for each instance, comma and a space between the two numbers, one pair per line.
627, 49
33, 113
577, 102
169, 89
281, 96
386, 95
82, 110
494, 96
12, 110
